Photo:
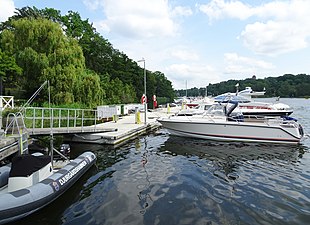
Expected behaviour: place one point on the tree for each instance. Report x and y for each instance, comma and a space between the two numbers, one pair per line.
287, 85
45, 53
8, 69
67, 49
163, 86
88, 89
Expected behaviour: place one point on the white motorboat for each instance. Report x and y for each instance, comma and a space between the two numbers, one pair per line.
246, 105
220, 124
249, 107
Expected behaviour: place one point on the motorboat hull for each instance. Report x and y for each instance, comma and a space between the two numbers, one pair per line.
260, 132
18, 204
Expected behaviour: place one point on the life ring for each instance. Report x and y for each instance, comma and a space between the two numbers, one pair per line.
143, 99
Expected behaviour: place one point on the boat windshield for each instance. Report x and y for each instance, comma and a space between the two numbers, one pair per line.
216, 110
226, 109
231, 97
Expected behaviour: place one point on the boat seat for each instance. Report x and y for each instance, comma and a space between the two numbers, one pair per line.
25, 165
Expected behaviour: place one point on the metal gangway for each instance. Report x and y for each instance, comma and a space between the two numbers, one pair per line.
43, 121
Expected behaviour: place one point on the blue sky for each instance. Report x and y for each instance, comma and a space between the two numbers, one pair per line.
199, 42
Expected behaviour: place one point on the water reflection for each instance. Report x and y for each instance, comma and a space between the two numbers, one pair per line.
231, 150
161, 179
144, 195
240, 183
228, 156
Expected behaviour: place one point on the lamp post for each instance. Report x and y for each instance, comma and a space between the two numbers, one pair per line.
145, 104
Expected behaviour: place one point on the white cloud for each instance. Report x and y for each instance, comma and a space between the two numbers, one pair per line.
136, 18
274, 38
102, 26
196, 75
182, 11
6, 10
184, 54
236, 64
282, 27
288, 29
219, 9
92, 4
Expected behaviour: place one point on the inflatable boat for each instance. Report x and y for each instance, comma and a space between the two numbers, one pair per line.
31, 182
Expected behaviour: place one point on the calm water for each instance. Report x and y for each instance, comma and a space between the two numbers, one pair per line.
157, 179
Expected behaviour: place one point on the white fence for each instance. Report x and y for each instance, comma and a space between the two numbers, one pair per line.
6, 102
108, 111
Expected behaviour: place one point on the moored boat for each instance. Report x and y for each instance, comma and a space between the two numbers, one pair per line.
246, 105
220, 124
249, 107
30, 182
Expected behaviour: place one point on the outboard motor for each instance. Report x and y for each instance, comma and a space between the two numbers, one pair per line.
64, 150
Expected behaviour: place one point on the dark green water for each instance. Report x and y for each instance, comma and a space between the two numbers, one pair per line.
158, 179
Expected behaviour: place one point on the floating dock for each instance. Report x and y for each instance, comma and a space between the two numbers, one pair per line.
8, 146
126, 127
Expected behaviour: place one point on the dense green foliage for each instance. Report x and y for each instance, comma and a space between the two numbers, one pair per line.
82, 67
284, 86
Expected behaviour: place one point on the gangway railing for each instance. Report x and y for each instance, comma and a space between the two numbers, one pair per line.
41, 117
15, 127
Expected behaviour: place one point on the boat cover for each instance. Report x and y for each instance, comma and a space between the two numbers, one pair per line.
25, 165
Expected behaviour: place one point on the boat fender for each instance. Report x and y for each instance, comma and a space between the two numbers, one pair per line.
301, 130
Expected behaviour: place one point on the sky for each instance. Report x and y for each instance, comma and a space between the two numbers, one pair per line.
195, 43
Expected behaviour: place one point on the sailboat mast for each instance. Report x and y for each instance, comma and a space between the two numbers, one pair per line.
186, 88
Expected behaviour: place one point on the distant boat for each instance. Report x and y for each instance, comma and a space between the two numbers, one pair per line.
248, 92
220, 124
249, 107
